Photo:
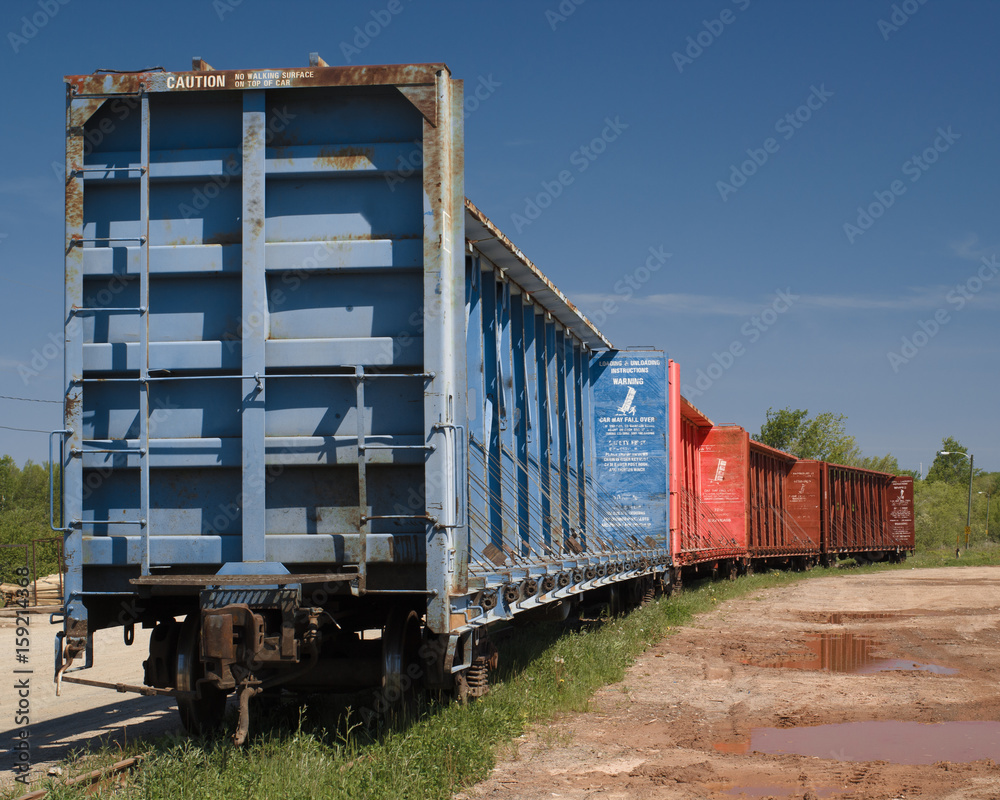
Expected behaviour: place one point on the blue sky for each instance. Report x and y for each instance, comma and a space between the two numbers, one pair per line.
796, 200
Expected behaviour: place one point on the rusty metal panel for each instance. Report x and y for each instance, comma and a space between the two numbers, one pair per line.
260, 318
805, 500
857, 514
773, 531
412, 80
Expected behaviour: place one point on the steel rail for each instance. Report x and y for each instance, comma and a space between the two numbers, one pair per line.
93, 778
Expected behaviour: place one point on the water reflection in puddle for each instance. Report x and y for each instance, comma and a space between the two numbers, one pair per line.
896, 742
852, 653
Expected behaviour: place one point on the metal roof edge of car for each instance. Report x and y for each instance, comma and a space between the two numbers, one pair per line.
855, 469
204, 77
765, 448
495, 245
774, 451
694, 414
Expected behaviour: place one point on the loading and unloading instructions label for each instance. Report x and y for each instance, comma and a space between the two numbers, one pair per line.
630, 437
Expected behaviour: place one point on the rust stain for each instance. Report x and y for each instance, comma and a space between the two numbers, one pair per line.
346, 158
402, 75
74, 203
83, 110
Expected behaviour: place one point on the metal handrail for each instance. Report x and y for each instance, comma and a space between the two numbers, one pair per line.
52, 489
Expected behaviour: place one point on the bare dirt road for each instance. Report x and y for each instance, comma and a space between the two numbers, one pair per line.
82, 715
915, 647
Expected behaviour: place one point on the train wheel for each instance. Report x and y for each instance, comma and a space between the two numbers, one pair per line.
161, 667
400, 664
201, 714
733, 570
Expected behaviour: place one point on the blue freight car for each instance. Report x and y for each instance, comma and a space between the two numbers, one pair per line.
311, 391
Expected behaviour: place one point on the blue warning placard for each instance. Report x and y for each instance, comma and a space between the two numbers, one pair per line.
630, 440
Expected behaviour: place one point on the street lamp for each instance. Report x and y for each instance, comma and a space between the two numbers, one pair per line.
988, 496
968, 517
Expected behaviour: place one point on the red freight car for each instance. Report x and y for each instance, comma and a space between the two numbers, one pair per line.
858, 512
747, 484
700, 538
773, 533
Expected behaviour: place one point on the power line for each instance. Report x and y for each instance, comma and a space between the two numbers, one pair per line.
28, 399
24, 430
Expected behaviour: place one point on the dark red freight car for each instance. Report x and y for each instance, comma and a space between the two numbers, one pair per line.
746, 484
773, 533
864, 514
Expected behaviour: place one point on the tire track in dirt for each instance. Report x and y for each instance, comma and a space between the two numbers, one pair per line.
677, 726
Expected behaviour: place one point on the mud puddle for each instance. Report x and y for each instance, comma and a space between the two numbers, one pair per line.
891, 741
779, 791
852, 653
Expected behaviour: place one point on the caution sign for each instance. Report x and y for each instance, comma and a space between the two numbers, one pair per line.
630, 439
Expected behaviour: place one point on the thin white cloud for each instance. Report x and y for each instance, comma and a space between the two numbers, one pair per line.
922, 298
970, 249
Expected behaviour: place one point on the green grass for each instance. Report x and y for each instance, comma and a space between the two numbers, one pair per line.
323, 751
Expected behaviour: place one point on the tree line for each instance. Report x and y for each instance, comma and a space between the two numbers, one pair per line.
24, 517
940, 499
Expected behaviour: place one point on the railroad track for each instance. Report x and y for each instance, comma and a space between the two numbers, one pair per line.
94, 779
